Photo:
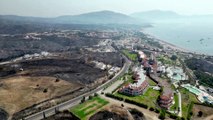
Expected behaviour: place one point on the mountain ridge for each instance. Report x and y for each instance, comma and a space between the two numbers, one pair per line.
98, 17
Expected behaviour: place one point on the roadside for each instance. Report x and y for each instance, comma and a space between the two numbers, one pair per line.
148, 114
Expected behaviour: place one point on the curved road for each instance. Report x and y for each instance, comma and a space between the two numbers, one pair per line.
76, 100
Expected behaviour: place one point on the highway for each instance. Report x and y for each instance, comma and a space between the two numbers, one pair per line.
70, 103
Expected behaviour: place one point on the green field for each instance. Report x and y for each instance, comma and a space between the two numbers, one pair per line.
149, 98
131, 56
187, 98
175, 106
88, 108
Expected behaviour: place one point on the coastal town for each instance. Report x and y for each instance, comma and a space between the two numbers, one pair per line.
151, 78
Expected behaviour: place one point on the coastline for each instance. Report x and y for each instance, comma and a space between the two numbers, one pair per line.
165, 43
170, 45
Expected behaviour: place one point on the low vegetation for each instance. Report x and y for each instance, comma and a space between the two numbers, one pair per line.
88, 108
187, 102
175, 106
149, 98
131, 56
114, 96
202, 70
136, 103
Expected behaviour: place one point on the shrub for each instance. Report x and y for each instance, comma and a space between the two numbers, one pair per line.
83, 99
157, 111
45, 90
57, 80
96, 94
151, 109
90, 97
200, 114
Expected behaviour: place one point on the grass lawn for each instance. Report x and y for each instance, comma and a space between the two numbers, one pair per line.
151, 82
175, 106
131, 56
88, 108
149, 98
187, 98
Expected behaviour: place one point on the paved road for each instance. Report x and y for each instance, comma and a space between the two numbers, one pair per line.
75, 101
113, 86
179, 104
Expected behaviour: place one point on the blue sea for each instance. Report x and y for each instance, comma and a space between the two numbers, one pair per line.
196, 36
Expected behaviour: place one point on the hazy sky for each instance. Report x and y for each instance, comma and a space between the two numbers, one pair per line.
52, 8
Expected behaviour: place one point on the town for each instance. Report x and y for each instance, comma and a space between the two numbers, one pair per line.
132, 71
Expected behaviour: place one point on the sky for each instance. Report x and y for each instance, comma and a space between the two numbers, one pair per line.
53, 8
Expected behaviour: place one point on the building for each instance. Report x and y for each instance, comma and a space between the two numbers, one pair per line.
166, 99
138, 87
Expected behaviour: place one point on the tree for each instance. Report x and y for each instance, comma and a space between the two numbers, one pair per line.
57, 80
83, 99
174, 57
96, 94
90, 97
122, 105
45, 90
162, 114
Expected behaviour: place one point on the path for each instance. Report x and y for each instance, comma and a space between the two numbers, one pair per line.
148, 114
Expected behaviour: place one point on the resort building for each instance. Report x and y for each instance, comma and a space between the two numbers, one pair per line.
176, 74
138, 87
202, 96
166, 99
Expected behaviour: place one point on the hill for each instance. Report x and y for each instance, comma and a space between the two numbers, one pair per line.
100, 17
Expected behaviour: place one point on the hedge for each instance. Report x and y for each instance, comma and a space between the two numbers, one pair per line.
136, 103
113, 96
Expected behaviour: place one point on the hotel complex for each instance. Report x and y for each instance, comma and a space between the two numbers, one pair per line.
139, 86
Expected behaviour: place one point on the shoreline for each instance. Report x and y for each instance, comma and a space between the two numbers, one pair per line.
170, 45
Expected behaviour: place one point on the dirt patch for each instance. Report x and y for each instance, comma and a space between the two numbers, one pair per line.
206, 111
112, 112
17, 93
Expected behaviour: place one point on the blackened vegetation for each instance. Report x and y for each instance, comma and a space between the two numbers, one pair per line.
3, 114
203, 70
109, 58
66, 69
106, 115
15, 46
6, 71
137, 115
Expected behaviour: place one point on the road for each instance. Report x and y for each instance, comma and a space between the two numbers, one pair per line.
113, 86
75, 101
179, 104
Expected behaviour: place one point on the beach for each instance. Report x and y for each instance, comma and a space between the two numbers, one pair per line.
166, 44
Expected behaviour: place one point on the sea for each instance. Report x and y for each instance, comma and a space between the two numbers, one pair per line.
196, 36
